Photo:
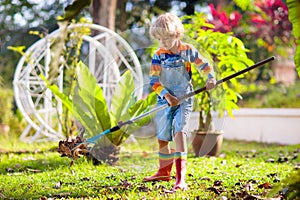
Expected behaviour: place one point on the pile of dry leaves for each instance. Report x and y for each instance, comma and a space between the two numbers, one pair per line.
73, 148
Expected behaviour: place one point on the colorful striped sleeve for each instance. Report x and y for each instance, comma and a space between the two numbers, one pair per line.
154, 74
200, 62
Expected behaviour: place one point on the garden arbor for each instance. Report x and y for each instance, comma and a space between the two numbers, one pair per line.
106, 54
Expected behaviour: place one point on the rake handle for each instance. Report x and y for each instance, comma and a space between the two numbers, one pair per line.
228, 77
117, 127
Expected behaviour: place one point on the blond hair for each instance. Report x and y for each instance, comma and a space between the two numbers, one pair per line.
167, 24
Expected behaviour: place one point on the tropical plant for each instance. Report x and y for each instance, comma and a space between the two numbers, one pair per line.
229, 55
88, 105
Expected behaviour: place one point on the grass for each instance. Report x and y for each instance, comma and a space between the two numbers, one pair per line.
35, 171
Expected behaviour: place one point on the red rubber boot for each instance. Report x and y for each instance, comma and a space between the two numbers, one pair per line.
165, 167
180, 162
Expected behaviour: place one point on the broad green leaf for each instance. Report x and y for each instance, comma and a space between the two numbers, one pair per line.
89, 95
122, 97
135, 110
77, 111
143, 105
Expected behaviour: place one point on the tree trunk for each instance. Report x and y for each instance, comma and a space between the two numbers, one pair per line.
121, 14
104, 13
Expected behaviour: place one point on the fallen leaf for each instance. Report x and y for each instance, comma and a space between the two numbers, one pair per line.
218, 183
34, 170
85, 179
270, 160
62, 195
248, 186
238, 165
17, 166
58, 185
272, 175
252, 197
205, 179
295, 156
10, 170
265, 185
253, 181
143, 188
282, 159
276, 180
29, 158
126, 184
223, 162
145, 154
238, 184
217, 191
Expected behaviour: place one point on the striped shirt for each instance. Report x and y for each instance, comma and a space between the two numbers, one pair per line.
188, 53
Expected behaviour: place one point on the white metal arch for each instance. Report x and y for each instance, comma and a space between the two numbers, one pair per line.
107, 55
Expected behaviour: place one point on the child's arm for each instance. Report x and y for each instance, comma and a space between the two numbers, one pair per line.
205, 66
155, 70
154, 74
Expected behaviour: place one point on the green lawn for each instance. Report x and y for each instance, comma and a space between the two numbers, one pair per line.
243, 169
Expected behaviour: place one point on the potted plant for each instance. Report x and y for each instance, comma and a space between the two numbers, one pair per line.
229, 55
6, 99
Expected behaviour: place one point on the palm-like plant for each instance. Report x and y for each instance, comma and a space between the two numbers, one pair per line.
88, 105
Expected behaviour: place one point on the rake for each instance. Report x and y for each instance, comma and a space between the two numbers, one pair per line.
118, 127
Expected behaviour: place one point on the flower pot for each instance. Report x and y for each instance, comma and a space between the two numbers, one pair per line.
207, 144
4, 130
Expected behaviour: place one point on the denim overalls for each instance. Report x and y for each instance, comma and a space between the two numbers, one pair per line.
176, 80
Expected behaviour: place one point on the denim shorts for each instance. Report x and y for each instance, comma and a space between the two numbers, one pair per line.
173, 120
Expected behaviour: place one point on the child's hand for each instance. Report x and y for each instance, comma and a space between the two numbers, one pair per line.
210, 84
172, 101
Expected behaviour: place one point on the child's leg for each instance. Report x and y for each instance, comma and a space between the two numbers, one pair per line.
180, 141
180, 161
164, 122
166, 160
163, 147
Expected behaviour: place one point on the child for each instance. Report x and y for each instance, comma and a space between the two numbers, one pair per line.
170, 77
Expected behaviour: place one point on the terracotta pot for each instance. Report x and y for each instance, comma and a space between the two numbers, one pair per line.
4, 130
207, 144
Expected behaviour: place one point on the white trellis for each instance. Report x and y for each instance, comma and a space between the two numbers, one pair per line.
107, 55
